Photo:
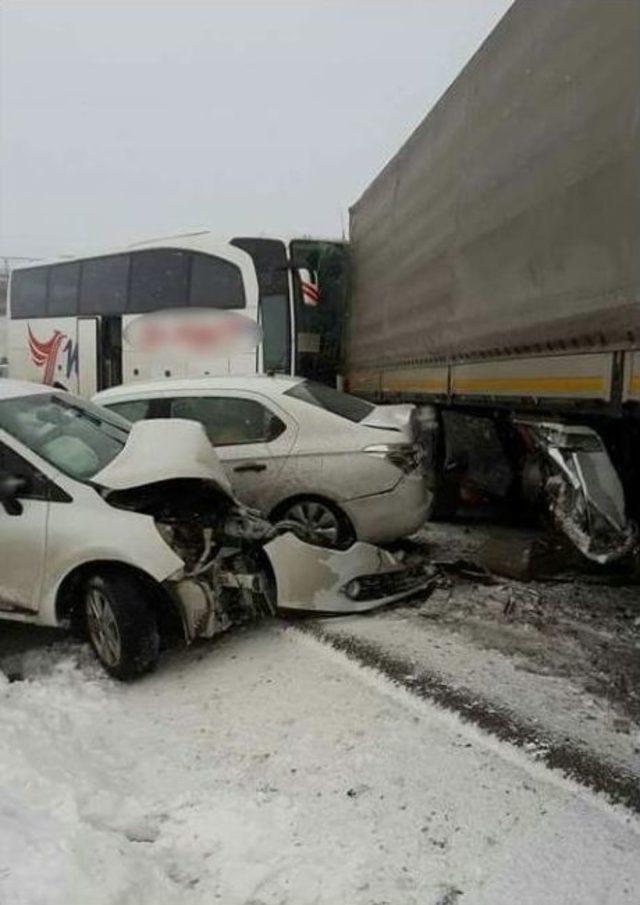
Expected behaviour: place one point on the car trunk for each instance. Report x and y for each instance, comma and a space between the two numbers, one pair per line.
398, 418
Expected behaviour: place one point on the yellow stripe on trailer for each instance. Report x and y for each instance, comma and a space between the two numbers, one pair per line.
530, 386
581, 376
364, 381
417, 380
584, 376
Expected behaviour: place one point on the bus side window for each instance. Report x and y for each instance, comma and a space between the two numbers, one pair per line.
103, 285
63, 290
215, 283
159, 280
29, 292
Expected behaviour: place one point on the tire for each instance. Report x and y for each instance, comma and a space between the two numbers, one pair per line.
320, 519
120, 624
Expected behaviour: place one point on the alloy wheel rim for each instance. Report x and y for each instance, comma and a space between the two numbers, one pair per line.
317, 519
103, 628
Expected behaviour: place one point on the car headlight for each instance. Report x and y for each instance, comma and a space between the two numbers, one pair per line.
353, 589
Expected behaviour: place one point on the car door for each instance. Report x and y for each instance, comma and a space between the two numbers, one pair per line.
23, 534
251, 436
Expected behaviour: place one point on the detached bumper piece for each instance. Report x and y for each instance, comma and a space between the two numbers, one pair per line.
320, 580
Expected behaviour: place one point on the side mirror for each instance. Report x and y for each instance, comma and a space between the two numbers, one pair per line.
309, 286
11, 487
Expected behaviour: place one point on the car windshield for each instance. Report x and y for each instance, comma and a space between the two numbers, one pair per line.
75, 436
325, 397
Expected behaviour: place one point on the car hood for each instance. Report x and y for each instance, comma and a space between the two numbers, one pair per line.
161, 450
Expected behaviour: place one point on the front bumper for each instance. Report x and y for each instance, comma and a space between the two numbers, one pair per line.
322, 580
384, 517
307, 578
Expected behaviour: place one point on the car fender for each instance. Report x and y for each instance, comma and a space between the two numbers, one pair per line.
76, 538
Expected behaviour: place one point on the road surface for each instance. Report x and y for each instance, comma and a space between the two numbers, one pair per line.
268, 769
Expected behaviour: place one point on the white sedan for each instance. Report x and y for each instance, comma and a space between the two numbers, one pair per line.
132, 533
301, 451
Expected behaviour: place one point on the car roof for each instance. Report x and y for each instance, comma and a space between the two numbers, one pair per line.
274, 385
13, 389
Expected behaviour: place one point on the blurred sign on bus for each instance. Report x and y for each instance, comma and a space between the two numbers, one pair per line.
200, 331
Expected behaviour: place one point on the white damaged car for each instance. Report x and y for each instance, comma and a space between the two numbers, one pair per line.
132, 534
294, 449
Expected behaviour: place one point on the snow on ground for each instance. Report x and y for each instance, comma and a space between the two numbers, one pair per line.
266, 769
558, 704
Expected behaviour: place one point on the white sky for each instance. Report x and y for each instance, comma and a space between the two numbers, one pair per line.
126, 120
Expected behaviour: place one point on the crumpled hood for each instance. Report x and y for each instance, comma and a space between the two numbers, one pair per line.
164, 449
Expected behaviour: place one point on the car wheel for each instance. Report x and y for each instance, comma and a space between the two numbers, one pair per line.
321, 520
121, 625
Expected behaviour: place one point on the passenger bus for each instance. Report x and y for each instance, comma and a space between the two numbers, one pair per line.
179, 306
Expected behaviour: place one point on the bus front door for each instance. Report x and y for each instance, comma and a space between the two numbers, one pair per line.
88, 330
110, 352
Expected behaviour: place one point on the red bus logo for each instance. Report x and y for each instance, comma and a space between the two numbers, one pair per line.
44, 353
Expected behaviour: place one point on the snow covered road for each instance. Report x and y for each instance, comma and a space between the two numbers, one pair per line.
267, 769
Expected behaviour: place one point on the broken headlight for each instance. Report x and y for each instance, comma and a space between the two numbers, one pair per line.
383, 584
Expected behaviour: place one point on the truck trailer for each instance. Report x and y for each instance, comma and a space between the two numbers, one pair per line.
495, 272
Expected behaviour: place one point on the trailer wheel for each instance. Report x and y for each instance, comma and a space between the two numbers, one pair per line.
121, 624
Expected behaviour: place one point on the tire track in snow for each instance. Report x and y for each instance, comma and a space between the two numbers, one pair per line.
583, 767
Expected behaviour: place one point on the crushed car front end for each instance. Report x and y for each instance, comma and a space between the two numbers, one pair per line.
236, 566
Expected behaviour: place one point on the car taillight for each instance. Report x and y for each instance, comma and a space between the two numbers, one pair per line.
405, 456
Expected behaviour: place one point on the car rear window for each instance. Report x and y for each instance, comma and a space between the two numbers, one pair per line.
324, 397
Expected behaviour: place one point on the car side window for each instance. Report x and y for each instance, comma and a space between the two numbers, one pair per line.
39, 487
229, 420
132, 410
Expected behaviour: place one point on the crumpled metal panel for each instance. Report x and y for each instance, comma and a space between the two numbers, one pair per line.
164, 449
313, 579
586, 497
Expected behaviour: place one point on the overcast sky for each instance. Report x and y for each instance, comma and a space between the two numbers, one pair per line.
127, 120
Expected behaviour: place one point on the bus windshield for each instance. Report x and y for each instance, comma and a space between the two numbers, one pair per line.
76, 437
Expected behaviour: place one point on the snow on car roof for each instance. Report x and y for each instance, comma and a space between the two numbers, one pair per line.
12, 389
272, 385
